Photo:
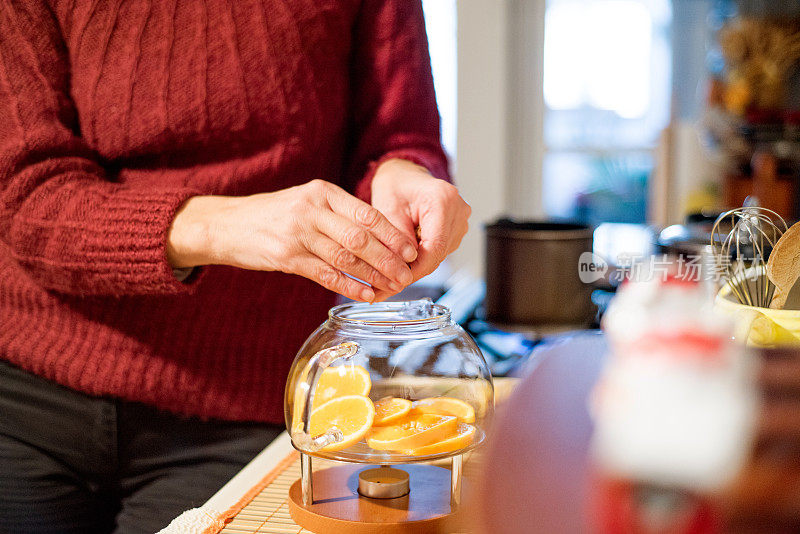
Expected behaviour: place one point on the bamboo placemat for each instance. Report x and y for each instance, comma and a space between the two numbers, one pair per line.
268, 511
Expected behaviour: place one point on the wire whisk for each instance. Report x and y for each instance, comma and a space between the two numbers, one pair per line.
741, 253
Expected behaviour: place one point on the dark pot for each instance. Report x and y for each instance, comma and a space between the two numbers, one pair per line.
532, 273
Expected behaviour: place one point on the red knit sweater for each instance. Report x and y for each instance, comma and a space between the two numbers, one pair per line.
113, 113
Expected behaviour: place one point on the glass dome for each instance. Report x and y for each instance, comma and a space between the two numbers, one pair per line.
388, 383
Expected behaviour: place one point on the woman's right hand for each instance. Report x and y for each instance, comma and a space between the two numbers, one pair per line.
315, 230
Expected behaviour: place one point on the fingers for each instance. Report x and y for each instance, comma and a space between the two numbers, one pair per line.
435, 228
364, 245
381, 295
328, 277
355, 238
370, 218
345, 261
441, 229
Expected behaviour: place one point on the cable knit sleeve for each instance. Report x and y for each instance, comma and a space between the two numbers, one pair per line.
63, 219
394, 113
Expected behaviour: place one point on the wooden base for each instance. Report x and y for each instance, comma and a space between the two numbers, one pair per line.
339, 509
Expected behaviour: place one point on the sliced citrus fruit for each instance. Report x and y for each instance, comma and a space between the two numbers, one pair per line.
462, 438
390, 410
446, 406
412, 432
340, 381
351, 414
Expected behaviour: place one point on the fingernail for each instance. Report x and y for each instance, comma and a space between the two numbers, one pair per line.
367, 295
409, 253
394, 286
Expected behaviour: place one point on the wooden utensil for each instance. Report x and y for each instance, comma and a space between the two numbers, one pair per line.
783, 266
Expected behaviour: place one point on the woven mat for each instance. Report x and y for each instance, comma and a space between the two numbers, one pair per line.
265, 510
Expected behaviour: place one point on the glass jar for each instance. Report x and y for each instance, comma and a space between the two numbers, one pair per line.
417, 368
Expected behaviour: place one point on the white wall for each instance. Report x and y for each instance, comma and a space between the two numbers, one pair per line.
525, 150
481, 170
499, 143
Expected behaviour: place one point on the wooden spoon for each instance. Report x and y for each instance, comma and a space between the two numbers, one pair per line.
783, 266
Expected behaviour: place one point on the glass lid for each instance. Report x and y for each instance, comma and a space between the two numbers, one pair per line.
388, 383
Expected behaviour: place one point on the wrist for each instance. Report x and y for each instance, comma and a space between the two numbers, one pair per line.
393, 166
393, 170
190, 239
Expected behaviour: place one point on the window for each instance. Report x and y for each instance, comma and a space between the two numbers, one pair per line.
440, 22
607, 76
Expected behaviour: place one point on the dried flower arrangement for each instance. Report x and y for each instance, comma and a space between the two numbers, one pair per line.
759, 54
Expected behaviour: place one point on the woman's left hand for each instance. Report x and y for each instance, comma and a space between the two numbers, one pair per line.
411, 198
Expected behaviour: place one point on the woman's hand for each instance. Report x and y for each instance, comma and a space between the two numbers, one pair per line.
411, 198
315, 230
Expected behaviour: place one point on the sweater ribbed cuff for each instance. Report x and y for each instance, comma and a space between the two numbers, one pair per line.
126, 254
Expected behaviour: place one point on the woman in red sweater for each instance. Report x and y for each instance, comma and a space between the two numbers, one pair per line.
183, 187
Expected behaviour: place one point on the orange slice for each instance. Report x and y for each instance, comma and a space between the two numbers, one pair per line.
446, 406
412, 432
390, 410
462, 438
351, 414
340, 381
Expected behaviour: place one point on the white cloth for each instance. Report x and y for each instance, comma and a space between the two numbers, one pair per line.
195, 521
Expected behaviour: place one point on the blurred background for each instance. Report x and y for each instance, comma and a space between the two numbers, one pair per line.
616, 112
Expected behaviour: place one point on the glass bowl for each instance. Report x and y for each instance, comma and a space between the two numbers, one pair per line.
411, 351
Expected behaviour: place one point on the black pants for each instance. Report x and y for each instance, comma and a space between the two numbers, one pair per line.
71, 463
